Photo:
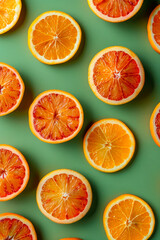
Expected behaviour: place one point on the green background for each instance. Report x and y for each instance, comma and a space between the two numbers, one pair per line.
142, 176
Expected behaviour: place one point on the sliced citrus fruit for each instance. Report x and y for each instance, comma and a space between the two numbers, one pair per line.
155, 125
9, 14
115, 10
14, 172
14, 226
11, 89
64, 196
55, 116
54, 37
109, 145
70, 239
128, 217
154, 29
116, 75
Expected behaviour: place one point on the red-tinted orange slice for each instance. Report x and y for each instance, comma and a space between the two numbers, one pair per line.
155, 125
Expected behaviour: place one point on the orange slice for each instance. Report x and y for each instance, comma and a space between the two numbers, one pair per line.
11, 89
115, 10
55, 116
128, 217
64, 196
154, 29
109, 145
70, 239
155, 125
9, 14
54, 37
14, 226
14, 172
116, 75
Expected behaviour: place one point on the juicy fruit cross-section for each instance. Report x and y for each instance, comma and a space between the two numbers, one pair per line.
155, 125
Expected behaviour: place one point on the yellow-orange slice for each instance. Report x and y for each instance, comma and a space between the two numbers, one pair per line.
109, 145
155, 125
14, 172
115, 10
55, 116
154, 29
11, 89
116, 75
54, 37
128, 217
64, 196
14, 226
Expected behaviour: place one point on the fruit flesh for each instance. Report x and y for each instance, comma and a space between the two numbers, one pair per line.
156, 28
157, 124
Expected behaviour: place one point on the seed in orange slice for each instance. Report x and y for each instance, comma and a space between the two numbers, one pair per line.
64, 196
155, 125
116, 75
109, 145
54, 37
9, 14
154, 29
55, 116
115, 10
11, 89
128, 217
14, 172
14, 226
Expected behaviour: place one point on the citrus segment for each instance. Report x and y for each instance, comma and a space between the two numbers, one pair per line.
55, 116
64, 196
109, 145
54, 37
155, 125
116, 75
128, 217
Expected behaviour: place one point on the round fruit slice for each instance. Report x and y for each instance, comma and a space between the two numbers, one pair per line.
115, 10
109, 145
154, 29
55, 116
11, 89
9, 14
14, 226
128, 217
155, 125
54, 37
14, 172
70, 239
64, 196
116, 75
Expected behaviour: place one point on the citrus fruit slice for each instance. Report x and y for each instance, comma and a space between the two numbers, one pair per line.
64, 196
14, 172
109, 145
154, 29
115, 10
54, 37
9, 14
14, 226
11, 89
128, 217
55, 116
116, 75
70, 239
155, 125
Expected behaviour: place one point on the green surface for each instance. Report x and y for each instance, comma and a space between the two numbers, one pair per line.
142, 177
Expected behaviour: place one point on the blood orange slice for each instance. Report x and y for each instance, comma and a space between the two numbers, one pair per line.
11, 89
155, 125
14, 226
70, 239
116, 75
55, 116
64, 196
14, 172
154, 29
115, 10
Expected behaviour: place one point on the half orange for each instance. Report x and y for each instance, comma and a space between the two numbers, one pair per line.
128, 217
64, 196
116, 75
54, 37
55, 116
109, 145
155, 125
